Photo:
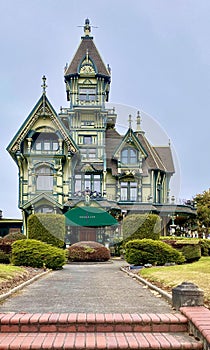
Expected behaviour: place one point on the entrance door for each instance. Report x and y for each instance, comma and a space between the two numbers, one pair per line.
87, 234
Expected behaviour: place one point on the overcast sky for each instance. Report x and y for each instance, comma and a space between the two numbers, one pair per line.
159, 53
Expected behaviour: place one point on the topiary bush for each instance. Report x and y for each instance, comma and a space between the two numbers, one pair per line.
144, 251
48, 228
88, 251
31, 252
139, 226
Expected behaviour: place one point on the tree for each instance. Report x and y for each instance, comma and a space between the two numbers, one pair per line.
203, 210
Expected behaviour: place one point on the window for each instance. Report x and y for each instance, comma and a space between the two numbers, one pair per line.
44, 178
45, 142
44, 209
91, 182
87, 94
129, 156
88, 153
128, 191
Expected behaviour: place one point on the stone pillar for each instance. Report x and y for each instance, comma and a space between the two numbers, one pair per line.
187, 294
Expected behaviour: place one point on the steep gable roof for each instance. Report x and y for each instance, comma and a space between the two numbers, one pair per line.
87, 45
166, 156
130, 139
43, 109
153, 160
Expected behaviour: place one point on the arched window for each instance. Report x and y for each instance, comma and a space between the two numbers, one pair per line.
129, 156
44, 178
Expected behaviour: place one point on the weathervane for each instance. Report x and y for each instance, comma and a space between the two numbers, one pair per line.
87, 27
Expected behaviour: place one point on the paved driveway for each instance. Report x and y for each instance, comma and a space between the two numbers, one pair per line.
89, 288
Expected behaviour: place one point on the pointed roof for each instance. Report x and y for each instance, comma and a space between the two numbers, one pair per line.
166, 156
153, 160
87, 46
43, 109
41, 196
130, 138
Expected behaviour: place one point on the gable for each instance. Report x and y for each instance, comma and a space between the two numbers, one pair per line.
42, 117
129, 140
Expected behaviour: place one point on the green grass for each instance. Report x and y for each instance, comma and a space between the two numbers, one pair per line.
8, 272
168, 277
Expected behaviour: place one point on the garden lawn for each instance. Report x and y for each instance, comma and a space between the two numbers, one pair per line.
168, 277
12, 276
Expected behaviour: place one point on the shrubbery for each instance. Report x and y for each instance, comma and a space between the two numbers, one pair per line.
48, 228
88, 251
6, 246
205, 247
141, 252
139, 226
31, 252
4, 257
189, 247
13, 236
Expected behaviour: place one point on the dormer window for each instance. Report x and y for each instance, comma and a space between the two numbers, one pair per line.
45, 142
129, 156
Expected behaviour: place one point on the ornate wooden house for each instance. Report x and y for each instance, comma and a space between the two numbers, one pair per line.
77, 159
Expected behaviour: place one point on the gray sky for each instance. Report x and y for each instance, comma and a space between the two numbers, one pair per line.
159, 53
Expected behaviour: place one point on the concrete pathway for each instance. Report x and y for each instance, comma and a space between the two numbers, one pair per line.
86, 288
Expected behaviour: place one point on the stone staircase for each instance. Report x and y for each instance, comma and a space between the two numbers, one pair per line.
95, 331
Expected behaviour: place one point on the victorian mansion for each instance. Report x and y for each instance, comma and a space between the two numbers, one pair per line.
76, 160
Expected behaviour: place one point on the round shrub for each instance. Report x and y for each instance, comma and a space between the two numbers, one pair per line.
144, 251
88, 251
13, 236
31, 252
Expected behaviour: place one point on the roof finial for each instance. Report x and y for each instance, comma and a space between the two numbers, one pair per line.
130, 121
138, 122
87, 27
44, 85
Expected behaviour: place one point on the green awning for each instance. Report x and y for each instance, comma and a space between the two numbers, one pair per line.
89, 216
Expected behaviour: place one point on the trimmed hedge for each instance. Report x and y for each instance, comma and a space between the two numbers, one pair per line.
144, 251
88, 251
139, 226
31, 252
189, 247
48, 228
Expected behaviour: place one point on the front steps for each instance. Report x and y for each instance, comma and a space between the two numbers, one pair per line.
95, 331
